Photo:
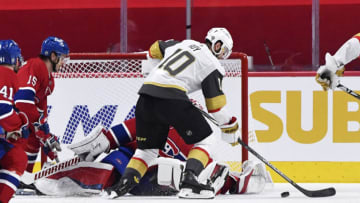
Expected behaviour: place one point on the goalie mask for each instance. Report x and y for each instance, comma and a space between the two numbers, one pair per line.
223, 36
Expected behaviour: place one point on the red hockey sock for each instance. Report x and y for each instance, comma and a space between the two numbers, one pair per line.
6, 193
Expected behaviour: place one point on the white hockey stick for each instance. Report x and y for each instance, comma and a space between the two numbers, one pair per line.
29, 178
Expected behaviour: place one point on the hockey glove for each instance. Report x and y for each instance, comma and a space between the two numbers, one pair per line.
328, 75
49, 143
230, 132
23, 131
42, 124
92, 146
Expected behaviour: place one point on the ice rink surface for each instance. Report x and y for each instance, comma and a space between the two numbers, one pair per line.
345, 193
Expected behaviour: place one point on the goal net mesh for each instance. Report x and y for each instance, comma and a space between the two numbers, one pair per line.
101, 89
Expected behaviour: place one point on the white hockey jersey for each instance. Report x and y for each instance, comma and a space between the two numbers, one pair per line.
187, 66
349, 51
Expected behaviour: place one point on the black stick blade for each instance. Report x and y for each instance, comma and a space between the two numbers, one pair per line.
320, 193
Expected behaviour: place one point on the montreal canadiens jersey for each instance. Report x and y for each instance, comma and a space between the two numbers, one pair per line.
35, 84
124, 135
186, 67
9, 119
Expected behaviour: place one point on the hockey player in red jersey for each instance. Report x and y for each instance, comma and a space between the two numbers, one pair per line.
328, 75
163, 176
36, 83
13, 159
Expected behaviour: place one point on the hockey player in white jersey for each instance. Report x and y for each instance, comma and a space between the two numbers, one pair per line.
328, 75
186, 67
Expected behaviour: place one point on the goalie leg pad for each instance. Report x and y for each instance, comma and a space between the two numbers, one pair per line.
82, 179
169, 172
251, 180
215, 174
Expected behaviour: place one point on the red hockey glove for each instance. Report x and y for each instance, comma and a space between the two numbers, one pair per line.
42, 124
23, 130
49, 143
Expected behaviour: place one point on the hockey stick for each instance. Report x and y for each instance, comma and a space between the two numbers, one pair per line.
310, 193
267, 49
349, 91
29, 178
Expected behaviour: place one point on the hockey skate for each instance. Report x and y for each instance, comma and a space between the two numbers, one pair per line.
190, 188
125, 184
25, 189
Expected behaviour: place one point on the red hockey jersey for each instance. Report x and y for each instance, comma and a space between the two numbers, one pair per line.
124, 135
9, 119
35, 84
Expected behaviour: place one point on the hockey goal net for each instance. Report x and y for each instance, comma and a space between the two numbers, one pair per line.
101, 89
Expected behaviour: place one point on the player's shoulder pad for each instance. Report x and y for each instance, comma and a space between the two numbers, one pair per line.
209, 60
157, 49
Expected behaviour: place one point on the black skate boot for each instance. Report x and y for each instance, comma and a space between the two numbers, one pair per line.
190, 188
25, 189
126, 183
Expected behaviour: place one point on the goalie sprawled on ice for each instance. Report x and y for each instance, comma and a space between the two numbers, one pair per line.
162, 178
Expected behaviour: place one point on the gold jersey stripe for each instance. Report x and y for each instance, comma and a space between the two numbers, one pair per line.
357, 35
166, 86
200, 155
138, 165
155, 52
215, 102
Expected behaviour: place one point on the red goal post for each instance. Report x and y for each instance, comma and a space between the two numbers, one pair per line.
130, 65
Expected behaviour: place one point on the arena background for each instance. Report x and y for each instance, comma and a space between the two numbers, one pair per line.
285, 26
94, 26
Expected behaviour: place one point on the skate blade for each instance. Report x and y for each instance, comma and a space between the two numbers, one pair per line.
187, 193
22, 191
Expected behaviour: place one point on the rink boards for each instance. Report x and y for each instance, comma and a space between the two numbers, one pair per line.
309, 134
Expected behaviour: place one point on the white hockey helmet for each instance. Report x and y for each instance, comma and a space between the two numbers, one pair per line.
220, 34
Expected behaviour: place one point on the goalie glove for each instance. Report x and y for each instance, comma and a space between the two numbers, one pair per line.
328, 75
23, 131
230, 132
92, 146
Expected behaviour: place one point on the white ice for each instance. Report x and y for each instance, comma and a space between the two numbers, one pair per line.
345, 193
